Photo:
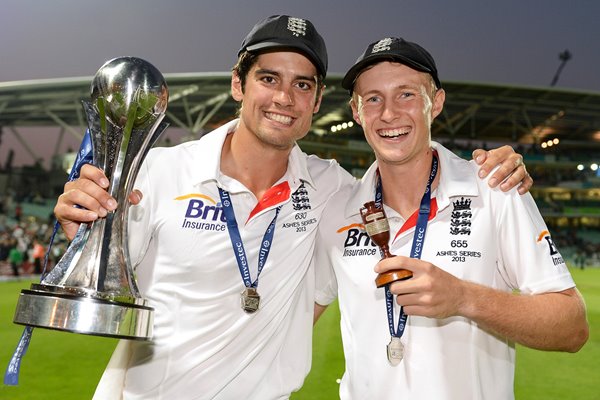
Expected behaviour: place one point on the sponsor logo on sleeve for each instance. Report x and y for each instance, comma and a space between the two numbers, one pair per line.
557, 259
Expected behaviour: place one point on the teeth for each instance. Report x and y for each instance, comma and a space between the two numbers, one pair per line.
393, 132
282, 119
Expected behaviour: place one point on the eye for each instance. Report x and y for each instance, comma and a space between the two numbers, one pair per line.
373, 99
304, 85
268, 79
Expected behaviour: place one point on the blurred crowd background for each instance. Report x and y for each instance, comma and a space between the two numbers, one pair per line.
568, 198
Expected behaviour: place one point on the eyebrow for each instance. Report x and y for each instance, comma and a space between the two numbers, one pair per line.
264, 71
403, 86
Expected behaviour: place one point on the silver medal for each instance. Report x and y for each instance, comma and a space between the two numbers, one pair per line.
250, 300
395, 351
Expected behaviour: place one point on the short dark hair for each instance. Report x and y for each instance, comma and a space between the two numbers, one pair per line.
243, 65
246, 61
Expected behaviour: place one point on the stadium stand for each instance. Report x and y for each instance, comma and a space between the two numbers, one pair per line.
566, 188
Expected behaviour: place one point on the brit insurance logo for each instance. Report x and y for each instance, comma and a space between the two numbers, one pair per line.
460, 219
202, 212
357, 242
552, 250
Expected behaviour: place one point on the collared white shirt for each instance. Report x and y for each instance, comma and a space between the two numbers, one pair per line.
476, 233
205, 346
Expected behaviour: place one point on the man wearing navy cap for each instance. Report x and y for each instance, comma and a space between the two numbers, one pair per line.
485, 271
220, 242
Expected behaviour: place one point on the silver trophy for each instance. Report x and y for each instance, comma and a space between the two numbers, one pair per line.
92, 289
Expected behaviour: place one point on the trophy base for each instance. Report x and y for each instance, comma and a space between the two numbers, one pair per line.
392, 276
59, 308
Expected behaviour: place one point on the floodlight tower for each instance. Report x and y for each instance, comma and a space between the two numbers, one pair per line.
563, 57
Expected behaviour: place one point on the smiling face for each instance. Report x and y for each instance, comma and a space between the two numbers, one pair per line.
395, 105
278, 99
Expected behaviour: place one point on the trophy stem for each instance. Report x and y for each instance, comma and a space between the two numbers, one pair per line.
104, 252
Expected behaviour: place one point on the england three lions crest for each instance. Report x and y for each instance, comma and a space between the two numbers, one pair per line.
300, 200
460, 222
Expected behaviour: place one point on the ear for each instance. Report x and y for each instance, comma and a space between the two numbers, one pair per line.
438, 103
354, 109
236, 87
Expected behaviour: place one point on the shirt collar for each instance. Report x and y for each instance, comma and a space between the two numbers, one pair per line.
457, 179
209, 149
298, 168
211, 146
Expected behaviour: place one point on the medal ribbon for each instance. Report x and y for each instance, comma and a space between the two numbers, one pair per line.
417, 245
238, 245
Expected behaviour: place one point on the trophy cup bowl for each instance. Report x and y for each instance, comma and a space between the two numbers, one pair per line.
92, 289
378, 229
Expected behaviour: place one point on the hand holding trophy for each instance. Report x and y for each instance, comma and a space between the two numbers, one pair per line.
92, 289
378, 229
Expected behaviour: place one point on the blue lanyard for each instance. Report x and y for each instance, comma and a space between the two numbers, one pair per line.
11, 375
417, 245
238, 245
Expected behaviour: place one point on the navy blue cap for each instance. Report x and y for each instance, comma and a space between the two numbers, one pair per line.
396, 49
285, 31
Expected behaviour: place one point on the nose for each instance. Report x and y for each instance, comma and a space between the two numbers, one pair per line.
283, 96
389, 113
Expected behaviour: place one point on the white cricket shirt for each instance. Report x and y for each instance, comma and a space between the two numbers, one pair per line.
205, 346
479, 234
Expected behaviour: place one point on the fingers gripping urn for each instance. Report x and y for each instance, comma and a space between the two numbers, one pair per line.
92, 289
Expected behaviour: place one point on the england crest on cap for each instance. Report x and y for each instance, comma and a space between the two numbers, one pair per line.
297, 26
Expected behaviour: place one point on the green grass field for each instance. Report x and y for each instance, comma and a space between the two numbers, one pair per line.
64, 366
